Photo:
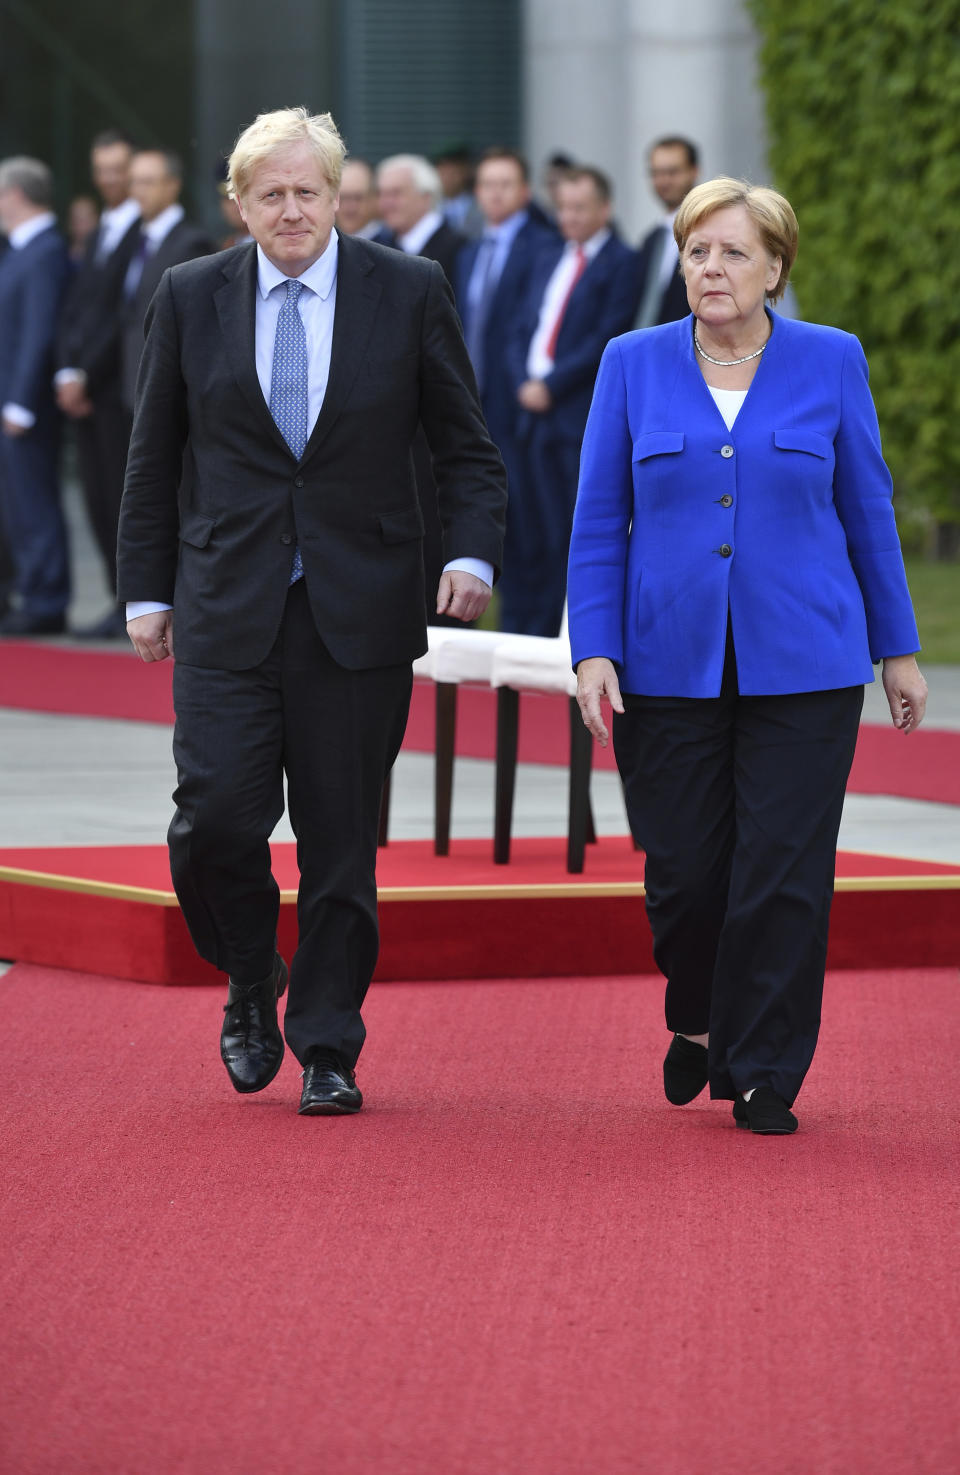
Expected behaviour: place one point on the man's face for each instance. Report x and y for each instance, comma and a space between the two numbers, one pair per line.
401, 204
110, 171
501, 189
671, 174
358, 198
581, 210
152, 185
289, 208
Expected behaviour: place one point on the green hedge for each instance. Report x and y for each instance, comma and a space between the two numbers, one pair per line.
863, 107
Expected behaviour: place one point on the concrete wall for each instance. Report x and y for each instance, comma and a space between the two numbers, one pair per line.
605, 77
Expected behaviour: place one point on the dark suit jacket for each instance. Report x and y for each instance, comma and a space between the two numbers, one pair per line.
32, 283
89, 334
603, 304
498, 394
673, 303
214, 500
184, 243
444, 246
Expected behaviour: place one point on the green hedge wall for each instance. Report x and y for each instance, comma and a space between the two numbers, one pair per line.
863, 107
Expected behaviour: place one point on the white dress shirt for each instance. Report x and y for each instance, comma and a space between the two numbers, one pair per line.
503, 237
670, 255
417, 237
114, 225
21, 236
317, 304
156, 232
539, 362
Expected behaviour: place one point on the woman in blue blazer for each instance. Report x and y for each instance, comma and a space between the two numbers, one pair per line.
734, 573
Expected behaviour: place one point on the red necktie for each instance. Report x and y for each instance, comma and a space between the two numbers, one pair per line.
581, 266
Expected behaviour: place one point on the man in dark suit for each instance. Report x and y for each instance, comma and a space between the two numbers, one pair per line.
492, 276
674, 170
88, 356
166, 238
410, 196
269, 500
33, 276
582, 292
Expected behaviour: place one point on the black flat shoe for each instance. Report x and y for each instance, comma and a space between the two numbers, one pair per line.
251, 1045
765, 1113
329, 1086
684, 1070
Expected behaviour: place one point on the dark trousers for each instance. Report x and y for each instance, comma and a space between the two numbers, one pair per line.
543, 491
103, 439
335, 734
32, 517
737, 802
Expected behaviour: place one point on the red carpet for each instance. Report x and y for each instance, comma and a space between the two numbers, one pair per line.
46, 678
518, 1260
111, 909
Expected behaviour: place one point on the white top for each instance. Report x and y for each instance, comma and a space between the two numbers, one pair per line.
414, 240
114, 224
729, 402
539, 362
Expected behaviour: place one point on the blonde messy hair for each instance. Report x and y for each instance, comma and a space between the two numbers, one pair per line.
771, 213
271, 132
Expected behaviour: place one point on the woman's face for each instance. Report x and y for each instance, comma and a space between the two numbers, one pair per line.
727, 269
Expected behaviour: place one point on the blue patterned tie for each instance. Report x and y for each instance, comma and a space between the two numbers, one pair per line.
288, 385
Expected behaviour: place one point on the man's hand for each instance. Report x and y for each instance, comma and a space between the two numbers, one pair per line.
597, 678
534, 395
906, 691
462, 595
152, 635
11, 428
73, 400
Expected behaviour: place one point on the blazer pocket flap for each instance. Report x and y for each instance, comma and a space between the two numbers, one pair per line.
803, 440
657, 443
401, 527
196, 531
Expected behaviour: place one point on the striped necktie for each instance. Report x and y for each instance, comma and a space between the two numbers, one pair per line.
288, 385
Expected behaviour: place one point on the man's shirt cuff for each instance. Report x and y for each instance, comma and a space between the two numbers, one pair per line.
476, 566
138, 607
20, 416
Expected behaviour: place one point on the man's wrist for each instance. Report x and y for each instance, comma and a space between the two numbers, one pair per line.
138, 607
476, 566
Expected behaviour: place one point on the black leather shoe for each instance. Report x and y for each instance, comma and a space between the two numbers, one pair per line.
684, 1070
329, 1086
765, 1113
18, 622
251, 1045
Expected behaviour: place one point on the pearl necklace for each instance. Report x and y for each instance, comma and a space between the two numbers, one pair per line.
725, 363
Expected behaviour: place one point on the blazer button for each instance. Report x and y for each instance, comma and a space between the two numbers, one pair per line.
298, 482
726, 501
726, 452
724, 550
286, 537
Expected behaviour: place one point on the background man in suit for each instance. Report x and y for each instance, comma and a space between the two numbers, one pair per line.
357, 214
410, 196
33, 275
582, 292
165, 239
88, 353
674, 170
269, 499
491, 279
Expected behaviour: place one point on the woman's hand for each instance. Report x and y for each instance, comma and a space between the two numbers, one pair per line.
906, 691
596, 679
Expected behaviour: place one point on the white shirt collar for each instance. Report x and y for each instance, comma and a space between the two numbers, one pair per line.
157, 229
592, 247
23, 234
319, 277
416, 238
121, 217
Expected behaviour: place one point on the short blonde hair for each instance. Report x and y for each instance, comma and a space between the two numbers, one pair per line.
271, 132
771, 213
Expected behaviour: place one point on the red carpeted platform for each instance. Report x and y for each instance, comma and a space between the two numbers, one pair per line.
518, 1260
112, 910
47, 678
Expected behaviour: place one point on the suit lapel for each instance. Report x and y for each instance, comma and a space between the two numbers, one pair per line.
236, 309
358, 298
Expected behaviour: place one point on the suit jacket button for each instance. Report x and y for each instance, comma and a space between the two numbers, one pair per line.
298, 482
726, 452
286, 537
725, 550
726, 501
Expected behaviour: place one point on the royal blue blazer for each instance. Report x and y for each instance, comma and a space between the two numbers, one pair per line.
785, 522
